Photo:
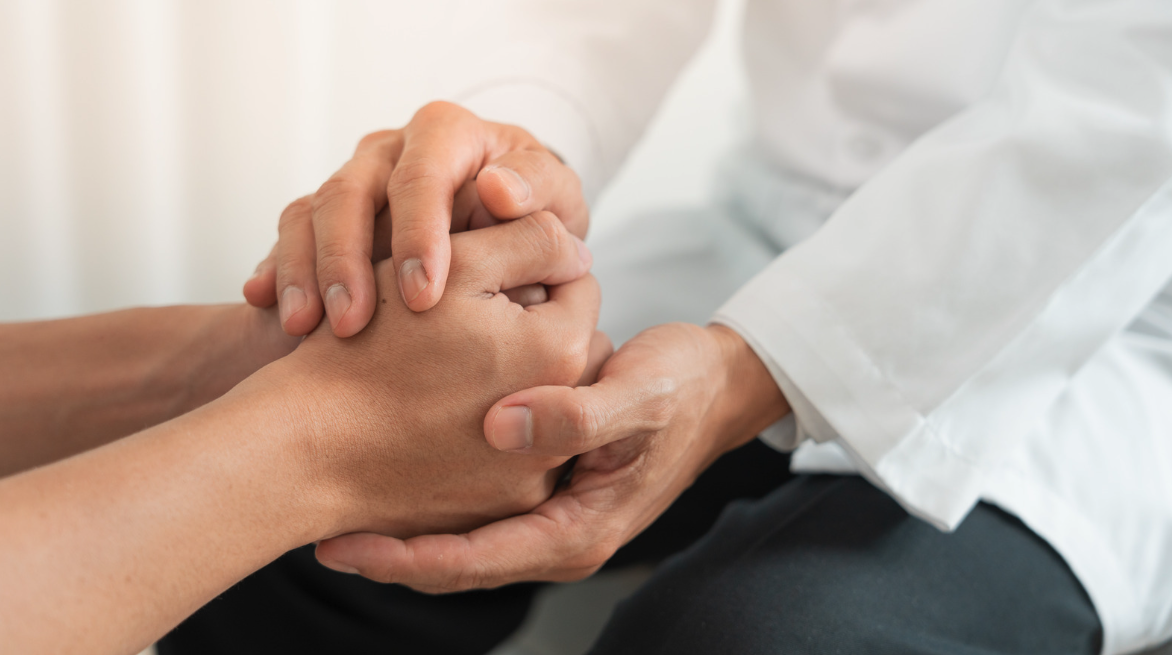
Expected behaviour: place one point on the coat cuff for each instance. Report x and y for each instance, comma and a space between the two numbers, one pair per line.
814, 357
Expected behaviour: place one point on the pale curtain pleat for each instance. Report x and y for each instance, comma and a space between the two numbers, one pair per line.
147, 147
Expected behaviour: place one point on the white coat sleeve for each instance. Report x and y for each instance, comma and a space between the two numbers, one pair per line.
584, 76
938, 314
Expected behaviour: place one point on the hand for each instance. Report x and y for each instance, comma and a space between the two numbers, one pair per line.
393, 416
402, 193
665, 406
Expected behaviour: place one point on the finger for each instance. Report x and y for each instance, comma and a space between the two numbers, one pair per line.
529, 250
296, 280
260, 290
600, 350
547, 544
382, 236
343, 222
572, 310
468, 213
443, 148
568, 421
524, 181
530, 294
561, 333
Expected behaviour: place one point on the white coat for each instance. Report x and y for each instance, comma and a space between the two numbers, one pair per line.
982, 318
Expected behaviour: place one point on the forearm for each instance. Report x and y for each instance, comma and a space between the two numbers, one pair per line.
74, 384
106, 551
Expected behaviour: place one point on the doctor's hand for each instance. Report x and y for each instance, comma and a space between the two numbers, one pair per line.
400, 195
665, 407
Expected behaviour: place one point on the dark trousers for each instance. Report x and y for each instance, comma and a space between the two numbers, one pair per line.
812, 564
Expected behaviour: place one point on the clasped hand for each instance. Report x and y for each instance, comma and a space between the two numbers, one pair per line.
391, 419
664, 407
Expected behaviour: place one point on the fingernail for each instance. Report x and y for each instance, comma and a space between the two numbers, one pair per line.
412, 279
517, 186
337, 302
583, 252
292, 301
338, 566
512, 428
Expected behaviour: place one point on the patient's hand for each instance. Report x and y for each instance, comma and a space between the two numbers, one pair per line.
395, 415
446, 171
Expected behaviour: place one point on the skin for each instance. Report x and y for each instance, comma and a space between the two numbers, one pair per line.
445, 171
376, 433
666, 406
75, 384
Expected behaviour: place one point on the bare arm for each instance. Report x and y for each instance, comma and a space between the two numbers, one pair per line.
75, 384
105, 551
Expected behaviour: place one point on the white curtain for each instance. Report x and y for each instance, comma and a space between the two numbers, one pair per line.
147, 147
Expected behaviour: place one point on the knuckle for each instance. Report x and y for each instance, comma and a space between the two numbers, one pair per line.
333, 256
297, 210
336, 191
375, 139
568, 349
548, 224
546, 233
582, 427
576, 354
437, 110
419, 231
551, 344
518, 135
408, 174
292, 269
569, 360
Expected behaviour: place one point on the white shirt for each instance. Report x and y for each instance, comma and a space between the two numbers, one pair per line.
981, 319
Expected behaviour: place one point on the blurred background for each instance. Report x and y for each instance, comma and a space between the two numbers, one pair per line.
147, 147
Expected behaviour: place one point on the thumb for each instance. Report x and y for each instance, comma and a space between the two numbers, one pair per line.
601, 349
568, 421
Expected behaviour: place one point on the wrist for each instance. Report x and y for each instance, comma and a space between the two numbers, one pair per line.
253, 339
232, 343
325, 409
750, 399
289, 433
